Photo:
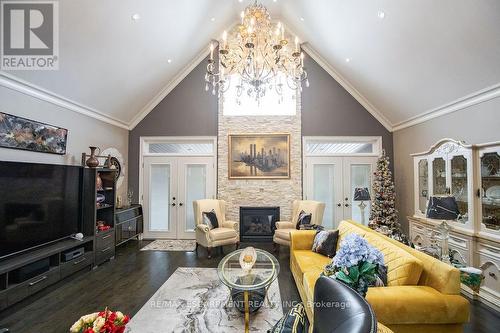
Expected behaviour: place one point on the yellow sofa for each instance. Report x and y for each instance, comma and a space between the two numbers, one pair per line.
422, 293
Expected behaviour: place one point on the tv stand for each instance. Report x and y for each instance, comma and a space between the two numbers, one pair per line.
54, 269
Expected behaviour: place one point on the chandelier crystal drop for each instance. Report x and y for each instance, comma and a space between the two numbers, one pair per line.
258, 55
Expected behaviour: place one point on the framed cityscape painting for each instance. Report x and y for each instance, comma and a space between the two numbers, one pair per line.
259, 156
26, 134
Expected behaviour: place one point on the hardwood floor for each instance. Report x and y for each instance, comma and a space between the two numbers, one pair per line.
129, 280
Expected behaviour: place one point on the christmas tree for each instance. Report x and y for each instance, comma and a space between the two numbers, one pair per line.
384, 215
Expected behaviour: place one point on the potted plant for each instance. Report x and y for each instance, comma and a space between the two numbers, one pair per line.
358, 264
101, 322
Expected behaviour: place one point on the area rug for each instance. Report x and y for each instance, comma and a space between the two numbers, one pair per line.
171, 245
194, 300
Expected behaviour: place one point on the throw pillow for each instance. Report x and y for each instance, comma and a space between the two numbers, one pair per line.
303, 219
294, 321
325, 242
210, 219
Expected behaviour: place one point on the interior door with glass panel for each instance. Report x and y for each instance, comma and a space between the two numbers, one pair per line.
357, 192
160, 186
324, 183
196, 180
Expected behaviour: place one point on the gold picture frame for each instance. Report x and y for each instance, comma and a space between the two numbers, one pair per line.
259, 156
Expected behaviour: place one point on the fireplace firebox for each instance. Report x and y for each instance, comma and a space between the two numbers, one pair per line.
257, 224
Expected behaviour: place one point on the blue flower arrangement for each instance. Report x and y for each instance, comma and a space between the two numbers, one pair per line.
357, 264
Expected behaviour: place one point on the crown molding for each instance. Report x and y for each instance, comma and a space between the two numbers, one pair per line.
12, 82
459, 104
348, 86
168, 88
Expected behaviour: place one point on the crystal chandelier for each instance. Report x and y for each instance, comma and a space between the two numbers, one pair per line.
258, 55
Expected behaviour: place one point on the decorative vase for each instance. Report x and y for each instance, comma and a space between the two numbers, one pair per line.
98, 183
247, 259
92, 161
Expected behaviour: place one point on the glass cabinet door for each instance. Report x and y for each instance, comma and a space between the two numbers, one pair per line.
423, 185
439, 176
490, 184
459, 182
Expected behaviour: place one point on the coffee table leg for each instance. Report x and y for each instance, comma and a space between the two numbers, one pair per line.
228, 298
266, 298
247, 312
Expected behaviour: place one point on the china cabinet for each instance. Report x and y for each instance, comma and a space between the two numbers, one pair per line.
471, 174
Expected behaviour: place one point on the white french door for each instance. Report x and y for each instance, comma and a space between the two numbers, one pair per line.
170, 186
323, 182
333, 180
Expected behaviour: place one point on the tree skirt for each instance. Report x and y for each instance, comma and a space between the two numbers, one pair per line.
171, 245
194, 300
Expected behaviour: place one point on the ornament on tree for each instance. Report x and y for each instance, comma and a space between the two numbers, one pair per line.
384, 215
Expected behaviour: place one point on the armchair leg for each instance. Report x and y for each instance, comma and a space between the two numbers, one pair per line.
237, 245
276, 247
209, 250
196, 248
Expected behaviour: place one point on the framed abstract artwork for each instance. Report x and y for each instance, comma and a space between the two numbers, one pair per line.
259, 156
21, 133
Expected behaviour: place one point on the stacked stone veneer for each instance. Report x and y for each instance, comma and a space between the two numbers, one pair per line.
260, 192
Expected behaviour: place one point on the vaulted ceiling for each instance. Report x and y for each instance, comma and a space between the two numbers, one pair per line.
404, 60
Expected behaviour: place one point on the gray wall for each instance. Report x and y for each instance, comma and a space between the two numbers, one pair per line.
329, 110
83, 131
477, 124
188, 110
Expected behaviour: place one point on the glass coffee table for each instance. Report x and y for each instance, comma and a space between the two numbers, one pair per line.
248, 289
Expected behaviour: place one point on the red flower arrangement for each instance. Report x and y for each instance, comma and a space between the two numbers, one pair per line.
101, 322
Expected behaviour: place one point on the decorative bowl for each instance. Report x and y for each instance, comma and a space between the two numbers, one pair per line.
247, 259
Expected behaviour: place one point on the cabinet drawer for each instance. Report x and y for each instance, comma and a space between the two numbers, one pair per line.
459, 241
3, 299
104, 254
72, 266
487, 250
418, 227
33, 285
104, 240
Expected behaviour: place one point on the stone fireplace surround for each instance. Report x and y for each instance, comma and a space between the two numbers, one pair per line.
260, 192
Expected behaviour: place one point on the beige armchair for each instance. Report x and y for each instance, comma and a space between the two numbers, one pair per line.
283, 228
226, 234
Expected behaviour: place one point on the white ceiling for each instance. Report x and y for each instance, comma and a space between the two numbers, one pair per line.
422, 56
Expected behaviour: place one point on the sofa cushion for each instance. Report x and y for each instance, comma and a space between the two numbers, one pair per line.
325, 242
222, 233
303, 220
309, 282
402, 267
294, 321
308, 260
417, 305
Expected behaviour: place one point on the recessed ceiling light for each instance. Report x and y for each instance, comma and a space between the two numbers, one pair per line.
240, 0
169, 61
347, 59
302, 19
381, 14
136, 17
212, 19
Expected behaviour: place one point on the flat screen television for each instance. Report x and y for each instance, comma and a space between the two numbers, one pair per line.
39, 204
